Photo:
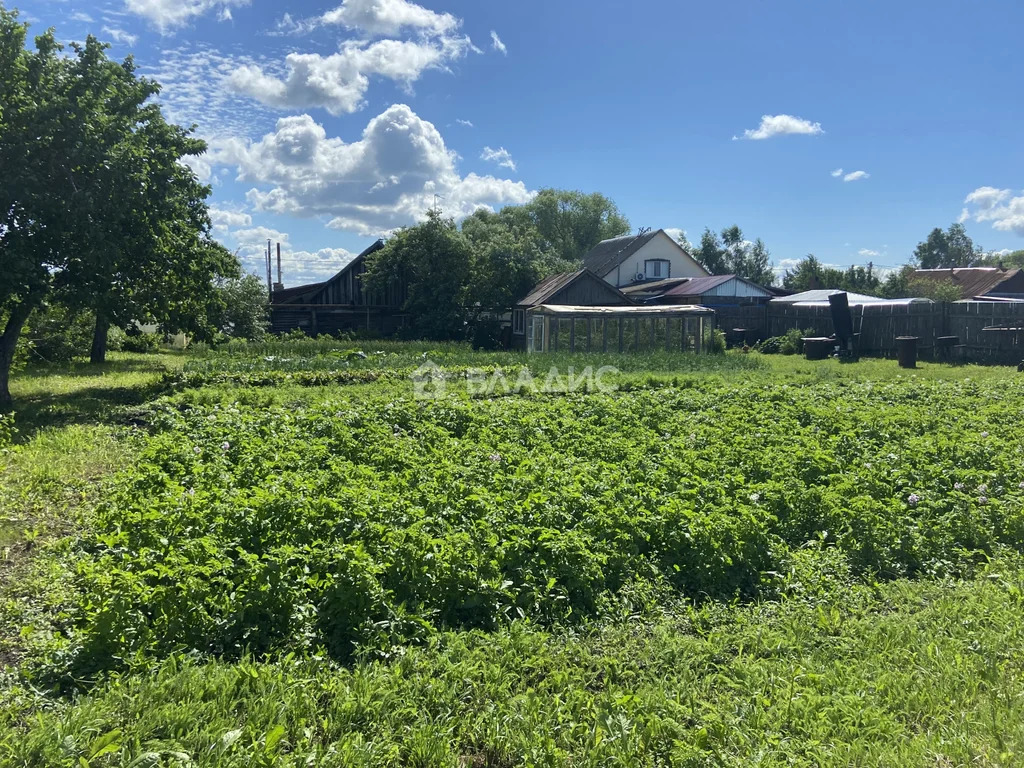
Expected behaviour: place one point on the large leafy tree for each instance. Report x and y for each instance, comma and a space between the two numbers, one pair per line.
945, 249
96, 210
731, 254
434, 261
569, 223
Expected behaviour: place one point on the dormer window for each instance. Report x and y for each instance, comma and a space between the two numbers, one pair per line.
657, 269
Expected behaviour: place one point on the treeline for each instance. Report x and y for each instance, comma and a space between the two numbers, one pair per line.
942, 249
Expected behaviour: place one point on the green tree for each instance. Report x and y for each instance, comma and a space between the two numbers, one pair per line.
243, 310
1008, 260
570, 223
96, 211
811, 274
952, 248
731, 254
711, 254
434, 261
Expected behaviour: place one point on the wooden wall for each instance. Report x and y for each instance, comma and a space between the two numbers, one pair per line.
880, 324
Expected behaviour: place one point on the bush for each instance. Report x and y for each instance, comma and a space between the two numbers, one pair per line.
789, 344
141, 342
716, 341
55, 334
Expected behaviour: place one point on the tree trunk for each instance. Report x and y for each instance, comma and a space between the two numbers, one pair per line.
98, 354
8, 343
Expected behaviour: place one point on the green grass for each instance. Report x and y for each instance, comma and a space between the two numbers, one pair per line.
862, 630
908, 674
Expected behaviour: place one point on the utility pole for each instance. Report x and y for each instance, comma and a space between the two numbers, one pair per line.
270, 284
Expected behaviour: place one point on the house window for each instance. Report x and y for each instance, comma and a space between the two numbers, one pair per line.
518, 321
657, 269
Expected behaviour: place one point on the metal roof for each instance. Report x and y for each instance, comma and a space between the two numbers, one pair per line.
642, 309
973, 281
608, 254
822, 294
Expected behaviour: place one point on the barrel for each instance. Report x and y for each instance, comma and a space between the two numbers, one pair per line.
906, 351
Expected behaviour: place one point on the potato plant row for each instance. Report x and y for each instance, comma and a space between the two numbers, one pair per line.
357, 526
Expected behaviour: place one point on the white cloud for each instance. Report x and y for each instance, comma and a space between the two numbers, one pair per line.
997, 206
868, 253
339, 82
224, 219
466, 123
497, 45
780, 125
286, 25
200, 166
195, 91
856, 176
225, 15
837, 173
167, 15
499, 156
120, 36
389, 17
385, 180
987, 197
677, 234
83, 17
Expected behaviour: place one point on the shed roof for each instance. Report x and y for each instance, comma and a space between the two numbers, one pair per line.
550, 286
973, 281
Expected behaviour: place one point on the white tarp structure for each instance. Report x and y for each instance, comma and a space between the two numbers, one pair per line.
820, 298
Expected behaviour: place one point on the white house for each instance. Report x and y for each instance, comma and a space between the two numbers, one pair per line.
632, 259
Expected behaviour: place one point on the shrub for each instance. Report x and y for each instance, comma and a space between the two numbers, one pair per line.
56, 334
141, 342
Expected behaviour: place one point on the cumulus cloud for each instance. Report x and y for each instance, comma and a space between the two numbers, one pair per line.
466, 123
987, 198
497, 45
385, 180
998, 206
868, 253
499, 156
339, 82
224, 219
167, 15
200, 166
120, 36
837, 173
856, 176
389, 17
781, 125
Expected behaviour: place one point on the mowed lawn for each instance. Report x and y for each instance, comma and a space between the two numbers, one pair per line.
277, 555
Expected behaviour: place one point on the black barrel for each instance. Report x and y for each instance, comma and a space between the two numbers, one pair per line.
906, 351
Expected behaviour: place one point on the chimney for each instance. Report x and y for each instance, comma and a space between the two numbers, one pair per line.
279, 285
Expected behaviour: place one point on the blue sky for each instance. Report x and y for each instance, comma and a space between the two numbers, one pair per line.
341, 119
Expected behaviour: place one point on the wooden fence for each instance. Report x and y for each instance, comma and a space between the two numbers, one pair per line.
974, 324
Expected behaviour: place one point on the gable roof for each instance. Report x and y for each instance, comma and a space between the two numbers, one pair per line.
296, 294
548, 289
685, 287
608, 254
975, 281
